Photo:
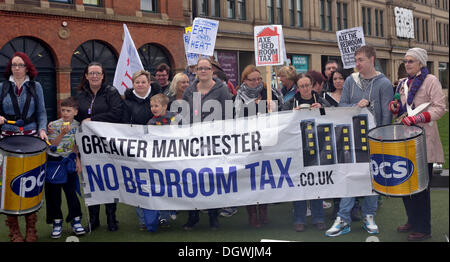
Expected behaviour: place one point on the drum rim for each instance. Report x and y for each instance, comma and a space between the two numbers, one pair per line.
394, 140
24, 153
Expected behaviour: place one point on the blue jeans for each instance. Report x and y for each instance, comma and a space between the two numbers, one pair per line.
369, 207
316, 211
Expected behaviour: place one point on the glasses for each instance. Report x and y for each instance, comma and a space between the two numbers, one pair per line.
254, 79
95, 73
304, 86
18, 65
161, 75
409, 61
203, 68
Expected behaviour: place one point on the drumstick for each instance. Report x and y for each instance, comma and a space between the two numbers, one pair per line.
52, 147
17, 123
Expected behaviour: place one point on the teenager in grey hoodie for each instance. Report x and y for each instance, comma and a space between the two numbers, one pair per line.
367, 88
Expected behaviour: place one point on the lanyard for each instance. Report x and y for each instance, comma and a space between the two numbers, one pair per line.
92, 104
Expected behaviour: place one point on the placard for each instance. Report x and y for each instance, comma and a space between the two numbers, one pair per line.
349, 40
203, 36
269, 45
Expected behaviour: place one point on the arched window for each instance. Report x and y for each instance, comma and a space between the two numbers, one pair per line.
92, 50
151, 56
43, 61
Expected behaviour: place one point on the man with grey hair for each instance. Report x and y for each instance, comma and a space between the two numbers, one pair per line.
371, 89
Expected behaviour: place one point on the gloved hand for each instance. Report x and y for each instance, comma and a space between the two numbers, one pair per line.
424, 117
394, 107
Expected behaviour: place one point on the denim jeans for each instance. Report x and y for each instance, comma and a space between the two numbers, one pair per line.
316, 211
369, 207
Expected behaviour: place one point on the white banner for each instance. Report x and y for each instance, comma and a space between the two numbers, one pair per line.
129, 62
277, 157
269, 45
349, 40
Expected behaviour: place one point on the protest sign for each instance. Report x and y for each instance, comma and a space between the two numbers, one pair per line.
269, 45
191, 58
277, 157
349, 40
404, 22
203, 36
129, 62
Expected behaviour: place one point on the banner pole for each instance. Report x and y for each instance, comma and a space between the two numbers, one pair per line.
269, 87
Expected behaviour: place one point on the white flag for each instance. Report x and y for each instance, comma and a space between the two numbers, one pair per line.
129, 62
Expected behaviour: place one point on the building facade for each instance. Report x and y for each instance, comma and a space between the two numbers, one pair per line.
309, 29
63, 36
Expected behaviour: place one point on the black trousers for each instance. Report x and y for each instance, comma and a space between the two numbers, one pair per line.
418, 208
53, 199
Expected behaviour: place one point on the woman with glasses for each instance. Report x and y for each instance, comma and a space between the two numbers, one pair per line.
98, 102
420, 89
22, 98
202, 90
250, 95
305, 97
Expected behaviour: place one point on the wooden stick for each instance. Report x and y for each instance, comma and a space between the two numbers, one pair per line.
269, 87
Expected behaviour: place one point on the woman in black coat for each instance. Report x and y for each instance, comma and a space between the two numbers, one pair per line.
137, 99
99, 102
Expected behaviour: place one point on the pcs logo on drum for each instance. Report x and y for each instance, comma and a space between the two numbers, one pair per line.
29, 184
389, 170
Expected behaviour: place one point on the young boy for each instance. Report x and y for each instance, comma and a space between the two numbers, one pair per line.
62, 135
158, 106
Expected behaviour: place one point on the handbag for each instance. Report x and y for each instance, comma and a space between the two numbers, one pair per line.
56, 171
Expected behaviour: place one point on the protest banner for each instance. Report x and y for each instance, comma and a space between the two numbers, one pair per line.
129, 62
349, 40
277, 157
191, 58
203, 36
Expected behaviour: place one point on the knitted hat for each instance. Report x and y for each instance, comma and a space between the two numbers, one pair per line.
418, 53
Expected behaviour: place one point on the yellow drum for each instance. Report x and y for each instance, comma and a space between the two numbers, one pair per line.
398, 160
22, 174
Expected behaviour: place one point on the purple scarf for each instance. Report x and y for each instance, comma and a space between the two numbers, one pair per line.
417, 81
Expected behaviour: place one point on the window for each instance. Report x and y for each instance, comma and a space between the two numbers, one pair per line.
92, 2
379, 23
231, 9
279, 12
322, 14
62, 1
416, 29
241, 10
341, 16
215, 8
363, 14
299, 8
203, 8
369, 21
329, 23
270, 12
291, 13
148, 5
438, 33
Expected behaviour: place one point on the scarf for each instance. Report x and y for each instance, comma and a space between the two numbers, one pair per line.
417, 81
248, 94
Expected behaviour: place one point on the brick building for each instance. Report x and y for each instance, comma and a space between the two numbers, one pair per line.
63, 36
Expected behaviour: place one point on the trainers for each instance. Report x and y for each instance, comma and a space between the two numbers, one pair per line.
326, 205
228, 211
77, 227
164, 223
369, 225
338, 228
57, 228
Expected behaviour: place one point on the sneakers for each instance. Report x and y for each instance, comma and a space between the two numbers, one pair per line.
228, 211
369, 225
338, 228
77, 228
57, 228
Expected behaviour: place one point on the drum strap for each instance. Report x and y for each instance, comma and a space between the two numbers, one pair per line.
409, 109
6, 88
